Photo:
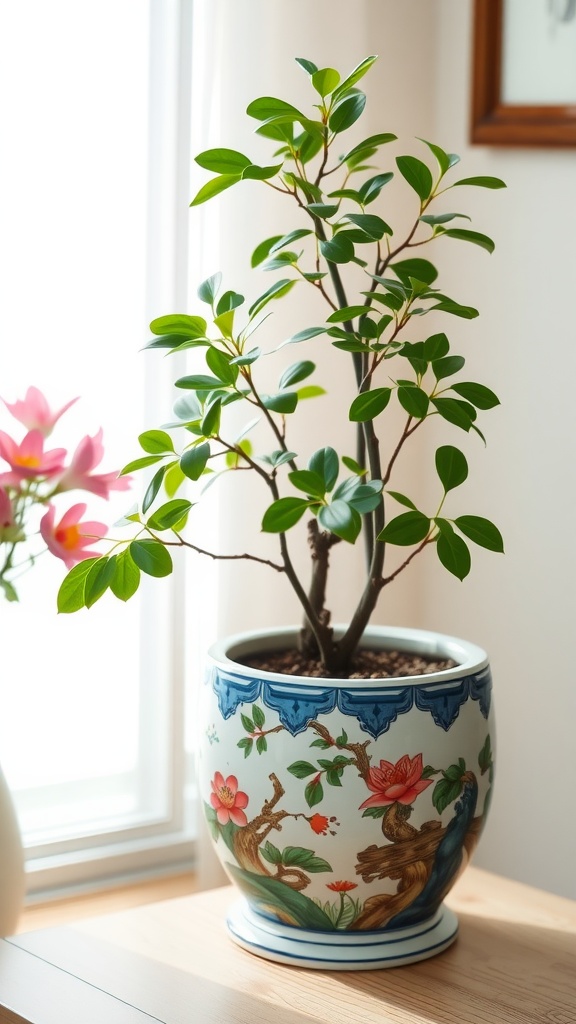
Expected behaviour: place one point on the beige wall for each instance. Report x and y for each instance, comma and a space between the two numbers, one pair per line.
520, 606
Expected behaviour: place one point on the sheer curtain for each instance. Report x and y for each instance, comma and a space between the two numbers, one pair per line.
95, 122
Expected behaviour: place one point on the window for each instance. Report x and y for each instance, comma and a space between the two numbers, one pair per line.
94, 117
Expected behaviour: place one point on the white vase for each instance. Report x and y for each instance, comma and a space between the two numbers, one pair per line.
344, 810
12, 877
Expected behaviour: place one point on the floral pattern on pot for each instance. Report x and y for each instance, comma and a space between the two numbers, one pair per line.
400, 869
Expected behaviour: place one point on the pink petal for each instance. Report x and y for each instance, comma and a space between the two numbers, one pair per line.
232, 783
378, 800
238, 817
241, 799
218, 781
223, 815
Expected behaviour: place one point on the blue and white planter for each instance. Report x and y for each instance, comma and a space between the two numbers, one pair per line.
344, 810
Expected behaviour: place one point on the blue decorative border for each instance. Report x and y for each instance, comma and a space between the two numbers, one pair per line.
298, 705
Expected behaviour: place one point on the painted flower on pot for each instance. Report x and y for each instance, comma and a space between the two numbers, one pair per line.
227, 800
396, 783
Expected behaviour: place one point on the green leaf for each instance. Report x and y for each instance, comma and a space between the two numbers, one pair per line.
484, 181
485, 759
156, 442
246, 359
365, 498
223, 161
126, 579
354, 466
257, 173
402, 499
292, 236
325, 81
346, 112
310, 391
283, 514
346, 313
99, 579
143, 463
324, 462
246, 744
307, 65
470, 236
220, 364
211, 422
444, 159
368, 145
225, 322
338, 249
230, 300
199, 382
308, 481
369, 404
417, 174
454, 412
297, 372
214, 187
414, 400
302, 769
370, 224
441, 218
481, 531
372, 188
456, 309
436, 347
446, 366
209, 289
406, 529
359, 71
266, 107
153, 488
341, 519
453, 554
275, 291
284, 403
451, 466
151, 557
71, 593
305, 335
479, 395
193, 461
262, 251
169, 514
419, 269
179, 324
296, 856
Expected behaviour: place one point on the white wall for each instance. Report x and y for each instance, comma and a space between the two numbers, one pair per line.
519, 606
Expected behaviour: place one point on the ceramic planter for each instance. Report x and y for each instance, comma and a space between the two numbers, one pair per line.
344, 810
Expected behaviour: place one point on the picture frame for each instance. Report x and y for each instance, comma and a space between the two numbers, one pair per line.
536, 119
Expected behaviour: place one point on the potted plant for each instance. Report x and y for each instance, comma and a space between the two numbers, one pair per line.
345, 771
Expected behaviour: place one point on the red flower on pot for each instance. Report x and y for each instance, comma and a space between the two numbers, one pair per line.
341, 886
396, 783
227, 800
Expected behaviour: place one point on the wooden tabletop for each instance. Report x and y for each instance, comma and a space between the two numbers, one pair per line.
513, 963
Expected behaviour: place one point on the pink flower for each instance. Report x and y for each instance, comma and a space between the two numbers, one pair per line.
396, 783
28, 460
227, 800
78, 475
34, 412
69, 539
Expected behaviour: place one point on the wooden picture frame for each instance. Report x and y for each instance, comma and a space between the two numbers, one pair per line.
495, 122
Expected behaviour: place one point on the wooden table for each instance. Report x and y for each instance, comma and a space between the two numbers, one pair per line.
513, 963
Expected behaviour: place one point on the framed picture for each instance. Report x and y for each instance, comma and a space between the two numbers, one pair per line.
524, 73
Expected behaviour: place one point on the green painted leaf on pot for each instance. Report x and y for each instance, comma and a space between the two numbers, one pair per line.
291, 906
